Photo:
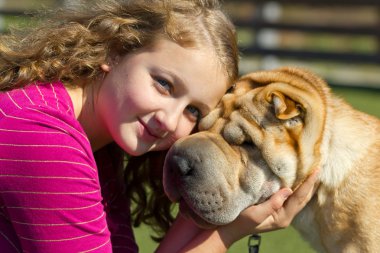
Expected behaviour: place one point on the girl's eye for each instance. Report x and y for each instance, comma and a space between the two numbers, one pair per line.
195, 113
163, 86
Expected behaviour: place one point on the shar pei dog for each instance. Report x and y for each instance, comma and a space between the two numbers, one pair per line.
270, 131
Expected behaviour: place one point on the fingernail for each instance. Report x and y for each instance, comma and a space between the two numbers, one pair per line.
287, 193
316, 173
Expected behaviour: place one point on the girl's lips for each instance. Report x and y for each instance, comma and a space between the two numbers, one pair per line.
146, 133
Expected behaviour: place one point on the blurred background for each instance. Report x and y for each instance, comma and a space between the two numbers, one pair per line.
337, 39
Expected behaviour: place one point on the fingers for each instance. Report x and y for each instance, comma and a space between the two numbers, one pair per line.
300, 197
259, 213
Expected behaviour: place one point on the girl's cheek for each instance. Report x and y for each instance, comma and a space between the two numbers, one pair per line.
171, 141
185, 130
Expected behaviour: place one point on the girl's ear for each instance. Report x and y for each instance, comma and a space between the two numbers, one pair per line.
105, 67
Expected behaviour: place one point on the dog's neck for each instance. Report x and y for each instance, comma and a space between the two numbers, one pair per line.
341, 144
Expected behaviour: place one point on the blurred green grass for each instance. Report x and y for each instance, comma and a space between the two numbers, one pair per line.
366, 100
287, 240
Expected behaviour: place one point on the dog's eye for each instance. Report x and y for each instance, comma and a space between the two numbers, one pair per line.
230, 90
248, 142
293, 122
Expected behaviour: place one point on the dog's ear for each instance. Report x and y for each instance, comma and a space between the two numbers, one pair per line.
284, 107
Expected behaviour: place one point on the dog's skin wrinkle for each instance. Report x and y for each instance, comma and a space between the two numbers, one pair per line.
253, 120
254, 136
233, 134
243, 158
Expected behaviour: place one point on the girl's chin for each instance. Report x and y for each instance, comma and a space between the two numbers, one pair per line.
135, 150
139, 150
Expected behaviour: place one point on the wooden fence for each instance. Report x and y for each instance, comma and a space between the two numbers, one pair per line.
259, 21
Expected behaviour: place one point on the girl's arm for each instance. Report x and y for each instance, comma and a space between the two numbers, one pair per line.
181, 233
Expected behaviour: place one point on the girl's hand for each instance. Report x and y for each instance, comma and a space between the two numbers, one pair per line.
275, 213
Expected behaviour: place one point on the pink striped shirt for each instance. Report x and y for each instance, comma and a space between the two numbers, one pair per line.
50, 194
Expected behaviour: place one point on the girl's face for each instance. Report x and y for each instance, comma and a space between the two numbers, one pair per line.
151, 98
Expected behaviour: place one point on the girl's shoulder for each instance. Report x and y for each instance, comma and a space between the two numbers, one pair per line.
41, 115
39, 106
49, 96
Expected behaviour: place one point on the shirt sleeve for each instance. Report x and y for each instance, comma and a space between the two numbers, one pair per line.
49, 185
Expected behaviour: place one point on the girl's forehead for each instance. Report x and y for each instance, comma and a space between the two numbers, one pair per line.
201, 59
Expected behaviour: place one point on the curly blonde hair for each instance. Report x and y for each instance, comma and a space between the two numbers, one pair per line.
71, 44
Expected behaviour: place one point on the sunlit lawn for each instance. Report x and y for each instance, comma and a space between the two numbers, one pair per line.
284, 241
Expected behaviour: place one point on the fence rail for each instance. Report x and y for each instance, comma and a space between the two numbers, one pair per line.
258, 22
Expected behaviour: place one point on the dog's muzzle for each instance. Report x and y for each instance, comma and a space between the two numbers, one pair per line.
197, 173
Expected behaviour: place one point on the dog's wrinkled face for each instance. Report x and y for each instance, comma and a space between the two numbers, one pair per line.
255, 142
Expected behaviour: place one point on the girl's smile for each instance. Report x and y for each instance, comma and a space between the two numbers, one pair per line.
148, 134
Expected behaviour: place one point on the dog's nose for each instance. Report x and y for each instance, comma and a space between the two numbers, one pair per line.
184, 168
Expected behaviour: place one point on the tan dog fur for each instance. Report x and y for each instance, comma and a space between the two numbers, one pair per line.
271, 131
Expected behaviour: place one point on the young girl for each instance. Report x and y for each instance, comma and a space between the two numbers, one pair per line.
86, 86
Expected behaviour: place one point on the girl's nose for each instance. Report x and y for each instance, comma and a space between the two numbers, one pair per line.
168, 120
